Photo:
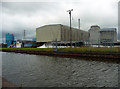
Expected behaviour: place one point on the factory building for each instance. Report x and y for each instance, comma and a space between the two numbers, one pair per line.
101, 36
108, 35
50, 33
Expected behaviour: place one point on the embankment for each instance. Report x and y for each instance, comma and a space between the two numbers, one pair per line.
109, 55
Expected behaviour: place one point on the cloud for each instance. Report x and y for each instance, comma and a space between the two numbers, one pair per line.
17, 16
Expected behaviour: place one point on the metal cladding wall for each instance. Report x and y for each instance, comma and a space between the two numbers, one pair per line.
77, 35
48, 33
60, 32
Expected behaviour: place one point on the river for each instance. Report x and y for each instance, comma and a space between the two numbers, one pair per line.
46, 71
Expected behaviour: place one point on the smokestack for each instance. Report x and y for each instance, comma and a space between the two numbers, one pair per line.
24, 34
78, 23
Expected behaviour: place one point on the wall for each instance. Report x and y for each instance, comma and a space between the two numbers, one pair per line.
77, 35
108, 36
48, 33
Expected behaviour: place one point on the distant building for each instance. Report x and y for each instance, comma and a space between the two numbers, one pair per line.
105, 35
94, 34
50, 33
108, 35
28, 43
3, 45
9, 39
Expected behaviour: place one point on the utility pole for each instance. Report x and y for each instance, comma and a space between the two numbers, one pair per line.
70, 27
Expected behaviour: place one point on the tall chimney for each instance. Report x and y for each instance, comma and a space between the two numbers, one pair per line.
78, 23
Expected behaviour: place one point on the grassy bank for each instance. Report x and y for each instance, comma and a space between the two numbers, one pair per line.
36, 49
92, 49
80, 49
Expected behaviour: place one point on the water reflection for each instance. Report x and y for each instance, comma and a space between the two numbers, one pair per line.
45, 71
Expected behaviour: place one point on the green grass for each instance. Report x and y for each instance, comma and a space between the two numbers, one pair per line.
91, 49
80, 49
40, 49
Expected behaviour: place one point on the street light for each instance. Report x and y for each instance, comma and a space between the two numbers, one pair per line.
70, 27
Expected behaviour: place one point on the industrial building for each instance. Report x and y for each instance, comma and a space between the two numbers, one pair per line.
61, 33
94, 34
102, 36
108, 35
10, 39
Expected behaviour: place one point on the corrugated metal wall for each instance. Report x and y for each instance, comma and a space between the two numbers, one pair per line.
77, 35
49, 33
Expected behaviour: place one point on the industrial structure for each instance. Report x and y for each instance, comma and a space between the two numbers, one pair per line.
61, 33
108, 35
94, 34
102, 36
9, 39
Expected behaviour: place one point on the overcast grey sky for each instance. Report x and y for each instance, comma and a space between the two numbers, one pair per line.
18, 15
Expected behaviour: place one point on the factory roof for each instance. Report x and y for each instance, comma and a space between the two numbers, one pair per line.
61, 25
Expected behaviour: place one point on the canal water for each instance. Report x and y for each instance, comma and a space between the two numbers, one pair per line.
46, 71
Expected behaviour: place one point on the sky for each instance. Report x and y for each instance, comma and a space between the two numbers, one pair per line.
19, 15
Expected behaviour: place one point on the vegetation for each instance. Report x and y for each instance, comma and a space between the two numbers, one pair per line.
92, 49
36, 49
77, 49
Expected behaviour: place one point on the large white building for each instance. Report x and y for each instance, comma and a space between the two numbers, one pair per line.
49, 33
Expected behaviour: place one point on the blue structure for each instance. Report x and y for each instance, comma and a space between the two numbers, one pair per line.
34, 39
9, 39
28, 44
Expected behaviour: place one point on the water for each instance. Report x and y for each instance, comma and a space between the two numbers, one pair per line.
45, 71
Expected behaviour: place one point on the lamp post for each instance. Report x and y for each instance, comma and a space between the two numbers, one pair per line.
70, 27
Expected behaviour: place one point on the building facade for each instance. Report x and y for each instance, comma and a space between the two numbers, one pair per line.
108, 35
49, 33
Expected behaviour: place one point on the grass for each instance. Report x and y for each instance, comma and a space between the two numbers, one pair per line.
80, 49
91, 49
36, 49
